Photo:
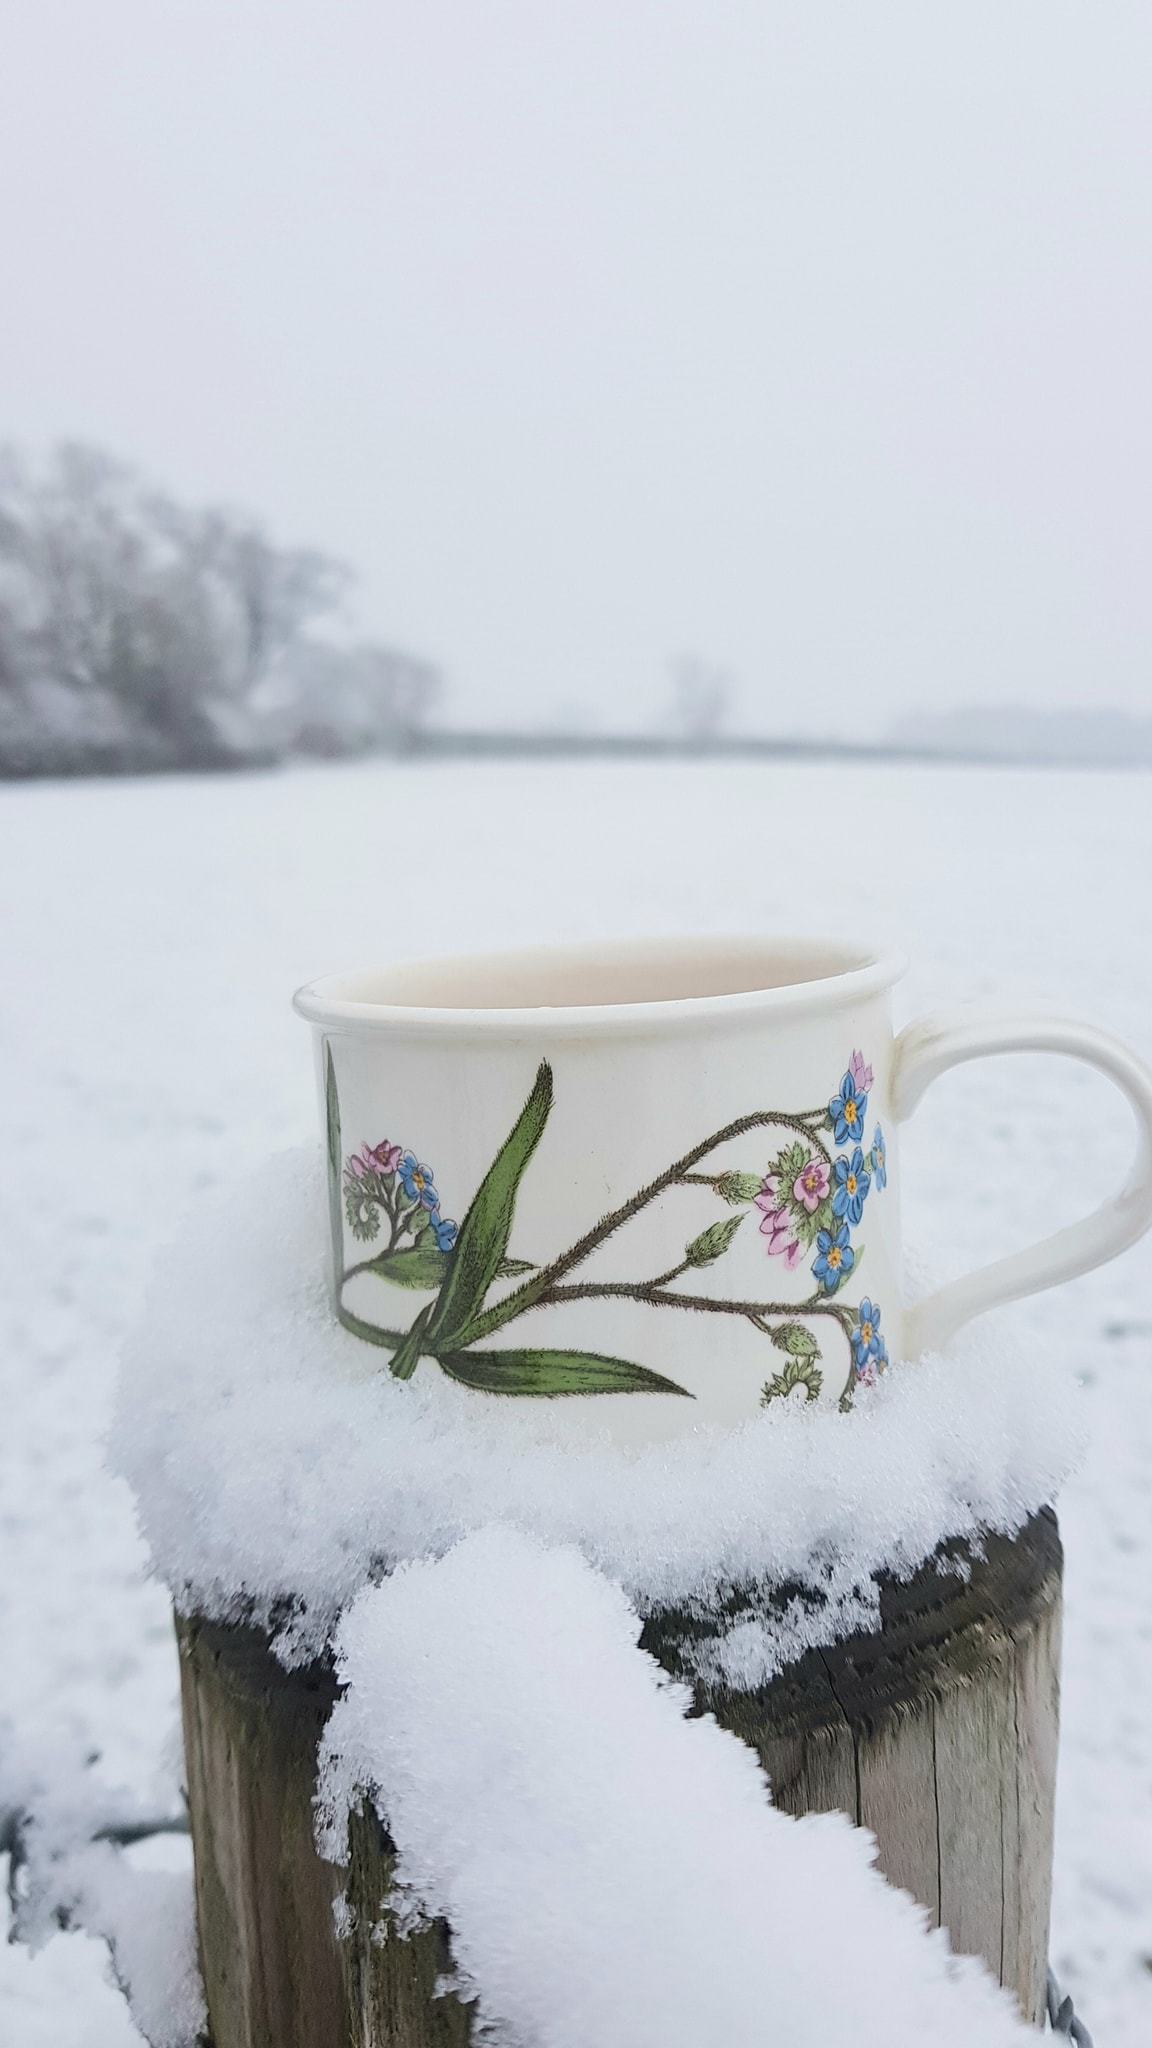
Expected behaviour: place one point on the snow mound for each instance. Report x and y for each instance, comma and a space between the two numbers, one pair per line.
278, 1469
147, 1917
611, 1871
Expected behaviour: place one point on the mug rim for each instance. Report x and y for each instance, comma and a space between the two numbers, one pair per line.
330, 1003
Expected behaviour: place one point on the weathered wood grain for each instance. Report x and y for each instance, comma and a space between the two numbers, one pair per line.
937, 1731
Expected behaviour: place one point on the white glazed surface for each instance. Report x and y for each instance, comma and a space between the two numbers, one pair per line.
438, 1058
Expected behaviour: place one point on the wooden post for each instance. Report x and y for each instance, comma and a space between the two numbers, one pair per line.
937, 1732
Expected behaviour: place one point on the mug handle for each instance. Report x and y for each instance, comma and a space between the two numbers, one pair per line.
932, 1045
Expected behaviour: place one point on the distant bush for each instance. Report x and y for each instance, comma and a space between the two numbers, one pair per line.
137, 634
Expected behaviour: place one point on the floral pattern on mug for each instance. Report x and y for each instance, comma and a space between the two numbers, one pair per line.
811, 1185
809, 1200
834, 1259
775, 1226
861, 1073
385, 1185
847, 1110
866, 1343
853, 1181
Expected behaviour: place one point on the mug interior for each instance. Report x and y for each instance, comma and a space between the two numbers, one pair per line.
626, 973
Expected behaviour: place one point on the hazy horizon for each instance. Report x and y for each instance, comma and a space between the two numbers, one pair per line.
810, 343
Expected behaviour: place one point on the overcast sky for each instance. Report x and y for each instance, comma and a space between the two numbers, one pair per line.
815, 338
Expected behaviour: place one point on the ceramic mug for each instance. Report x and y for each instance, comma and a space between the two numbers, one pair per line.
665, 1171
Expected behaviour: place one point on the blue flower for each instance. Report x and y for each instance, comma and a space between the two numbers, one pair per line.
878, 1158
835, 1259
417, 1182
853, 1181
848, 1110
444, 1232
867, 1342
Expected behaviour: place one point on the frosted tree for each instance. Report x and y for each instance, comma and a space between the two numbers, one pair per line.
136, 632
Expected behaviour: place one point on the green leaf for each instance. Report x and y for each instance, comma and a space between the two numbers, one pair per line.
739, 1187
787, 1167
484, 1233
553, 1372
788, 1163
408, 1353
420, 1265
808, 1227
799, 1372
713, 1242
425, 1265
796, 1340
371, 1333
363, 1213
335, 1203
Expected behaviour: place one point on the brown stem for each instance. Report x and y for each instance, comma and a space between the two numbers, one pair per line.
657, 1296
673, 1273
756, 1311
543, 1280
849, 1386
814, 1137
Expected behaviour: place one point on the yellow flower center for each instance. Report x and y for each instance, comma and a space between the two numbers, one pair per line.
866, 1332
834, 1258
850, 1183
849, 1112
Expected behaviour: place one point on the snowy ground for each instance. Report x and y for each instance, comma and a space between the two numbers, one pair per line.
153, 933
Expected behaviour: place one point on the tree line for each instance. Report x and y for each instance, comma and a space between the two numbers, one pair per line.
140, 634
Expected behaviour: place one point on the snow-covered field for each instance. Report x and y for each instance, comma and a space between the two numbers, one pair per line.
153, 933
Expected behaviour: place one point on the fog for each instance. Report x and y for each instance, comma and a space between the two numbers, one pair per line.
484, 472
809, 340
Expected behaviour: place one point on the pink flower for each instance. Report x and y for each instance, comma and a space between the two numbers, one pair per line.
866, 1377
861, 1072
811, 1185
381, 1158
776, 1226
